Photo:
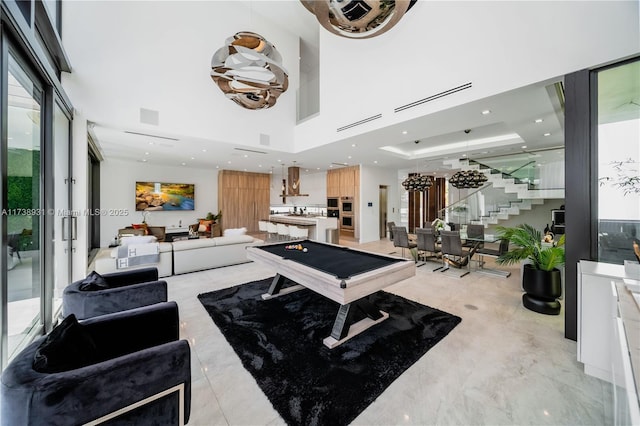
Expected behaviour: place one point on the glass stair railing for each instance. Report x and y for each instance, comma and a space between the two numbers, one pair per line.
484, 206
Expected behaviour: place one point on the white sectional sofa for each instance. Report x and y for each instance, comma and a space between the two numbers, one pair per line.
207, 253
180, 257
105, 261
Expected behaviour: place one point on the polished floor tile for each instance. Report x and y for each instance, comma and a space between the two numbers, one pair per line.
503, 365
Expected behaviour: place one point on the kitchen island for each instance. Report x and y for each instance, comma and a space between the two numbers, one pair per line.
317, 225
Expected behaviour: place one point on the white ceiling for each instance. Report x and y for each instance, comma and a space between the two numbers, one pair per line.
512, 113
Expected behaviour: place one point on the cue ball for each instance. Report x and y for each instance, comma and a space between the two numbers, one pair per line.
304, 250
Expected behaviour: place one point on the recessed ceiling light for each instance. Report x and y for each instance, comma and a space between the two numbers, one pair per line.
349, 157
375, 161
539, 165
485, 152
246, 156
539, 120
317, 168
184, 164
464, 155
245, 170
204, 150
330, 165
144, 160
229, 162
306, 170
193, 158
404, 132
259, 165
524, 147
486, 111
217, 167
353, 145
146, 153
547, 134
150, 143
279, 161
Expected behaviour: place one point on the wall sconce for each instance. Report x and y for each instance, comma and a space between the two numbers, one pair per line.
249, 71
358, 18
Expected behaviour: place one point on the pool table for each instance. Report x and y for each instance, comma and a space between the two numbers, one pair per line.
344, 275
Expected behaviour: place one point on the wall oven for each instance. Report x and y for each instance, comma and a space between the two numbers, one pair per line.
333, 206
346, 204
347, 223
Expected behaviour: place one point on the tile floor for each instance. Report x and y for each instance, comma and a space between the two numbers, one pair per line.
503, 365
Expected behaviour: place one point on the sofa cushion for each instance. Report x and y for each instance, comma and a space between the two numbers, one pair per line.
67, 347
193, 244
143, 239
94, 281
234, 239
234, 231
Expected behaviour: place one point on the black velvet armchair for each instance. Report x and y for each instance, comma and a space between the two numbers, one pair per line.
140, 359
120, 291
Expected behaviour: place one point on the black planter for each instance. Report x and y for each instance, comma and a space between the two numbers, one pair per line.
542, 290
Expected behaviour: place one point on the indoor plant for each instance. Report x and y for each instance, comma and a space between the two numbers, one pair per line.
541, 277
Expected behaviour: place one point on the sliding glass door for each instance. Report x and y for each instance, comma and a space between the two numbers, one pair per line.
618, 162
23, 212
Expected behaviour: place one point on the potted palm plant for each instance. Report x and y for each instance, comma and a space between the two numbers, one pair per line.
541, 278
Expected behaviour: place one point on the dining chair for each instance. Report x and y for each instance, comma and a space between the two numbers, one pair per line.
427, 243
390, 226
475, 231
401, 239
453, 253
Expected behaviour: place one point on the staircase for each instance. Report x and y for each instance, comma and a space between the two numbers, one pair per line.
526, 196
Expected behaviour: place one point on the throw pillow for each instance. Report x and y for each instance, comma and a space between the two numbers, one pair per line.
207, 225
141, 226
93, 282
235, 231
67, 347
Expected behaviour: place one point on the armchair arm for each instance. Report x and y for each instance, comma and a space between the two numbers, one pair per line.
128, 331
87, 304
135, 276
81, 395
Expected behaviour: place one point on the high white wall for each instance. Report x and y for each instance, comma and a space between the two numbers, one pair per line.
79, 196
118, 180
438, 45
157, 55
370, 180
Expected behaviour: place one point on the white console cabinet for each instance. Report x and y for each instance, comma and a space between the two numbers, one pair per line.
609, 335
595, 316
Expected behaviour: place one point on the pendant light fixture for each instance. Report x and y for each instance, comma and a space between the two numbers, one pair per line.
248, 69
358, 18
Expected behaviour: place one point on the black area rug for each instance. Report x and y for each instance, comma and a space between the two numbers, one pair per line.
280, 343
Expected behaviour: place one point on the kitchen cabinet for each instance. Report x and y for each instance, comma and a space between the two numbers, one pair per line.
243, 198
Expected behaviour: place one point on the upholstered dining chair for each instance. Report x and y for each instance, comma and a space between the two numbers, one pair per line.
475, 231
390, 226
128, 367
401, 239
453, 253
426, 242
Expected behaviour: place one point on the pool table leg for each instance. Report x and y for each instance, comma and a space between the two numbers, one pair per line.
344, 318
276, 289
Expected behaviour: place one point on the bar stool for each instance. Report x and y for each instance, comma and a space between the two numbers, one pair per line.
262, 227
283, 231
272, 229
298, 233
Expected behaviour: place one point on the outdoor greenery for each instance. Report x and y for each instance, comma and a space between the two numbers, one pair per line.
529, 242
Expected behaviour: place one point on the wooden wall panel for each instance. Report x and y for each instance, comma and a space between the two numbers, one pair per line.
243, 198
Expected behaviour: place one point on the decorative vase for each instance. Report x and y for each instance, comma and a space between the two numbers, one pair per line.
542, 289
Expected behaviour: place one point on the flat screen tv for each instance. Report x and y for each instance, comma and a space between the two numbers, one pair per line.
159, 196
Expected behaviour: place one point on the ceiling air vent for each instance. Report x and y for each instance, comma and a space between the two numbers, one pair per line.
434, 97
250, 150
357, 123
151, 136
